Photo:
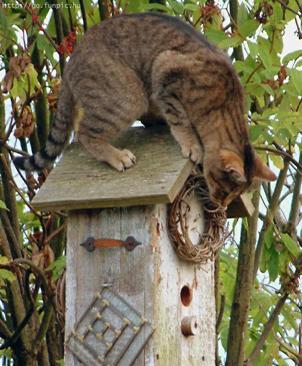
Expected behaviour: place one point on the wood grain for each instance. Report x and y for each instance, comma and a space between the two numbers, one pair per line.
150, 278
80, 181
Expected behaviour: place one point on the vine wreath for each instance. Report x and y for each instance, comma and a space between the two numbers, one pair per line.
214, 233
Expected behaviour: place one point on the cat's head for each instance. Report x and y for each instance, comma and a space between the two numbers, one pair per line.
228, 175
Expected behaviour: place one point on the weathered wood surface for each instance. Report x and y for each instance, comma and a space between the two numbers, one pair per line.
80, 181
150, 278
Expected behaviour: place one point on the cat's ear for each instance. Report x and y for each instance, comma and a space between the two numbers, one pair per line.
262, 171
233, 165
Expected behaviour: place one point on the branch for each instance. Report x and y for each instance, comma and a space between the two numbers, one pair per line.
103, 11
243, 289
266, 330
17, 189
238, 54
83, 11
300, 344
48, 312
55, 233
220, 313
282, 153
288, 8
41, 106
59, 32
4, 331
39, 24
18, 151
288, 349
16, 302
14, 242
8, 193
71, 25
270, 214
17, 333
35, 269
295, 205
268, 326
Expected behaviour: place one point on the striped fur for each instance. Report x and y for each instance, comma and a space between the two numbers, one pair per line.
139, 65
57, 137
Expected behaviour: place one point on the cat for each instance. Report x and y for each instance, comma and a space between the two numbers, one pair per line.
150, 66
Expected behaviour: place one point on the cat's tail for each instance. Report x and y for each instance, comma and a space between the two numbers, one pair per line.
57, 137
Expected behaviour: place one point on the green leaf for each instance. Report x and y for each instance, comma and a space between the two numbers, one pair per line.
3, 205
291, 245
268, 89
273, 264
264, 260
242, 13
248, 28
7, 34
26, 83
3, 260
265, 57
289, 317
57, 267
269, 236
253, 47
284, 260
45, 46
215, 36
277, 161
192, 7
155, 6
256, 131
277, 17
6, 275
296, 78
233, 41
19, 88
32, 78
176, 6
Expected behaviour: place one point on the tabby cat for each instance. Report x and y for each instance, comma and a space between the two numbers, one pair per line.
151, 66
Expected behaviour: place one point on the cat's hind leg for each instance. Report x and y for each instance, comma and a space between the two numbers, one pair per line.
103, 151
110, 103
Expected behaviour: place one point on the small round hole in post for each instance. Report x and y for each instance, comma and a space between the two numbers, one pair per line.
186, 295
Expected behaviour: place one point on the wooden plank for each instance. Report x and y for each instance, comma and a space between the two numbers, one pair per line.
80, 181
241, 207
150, 278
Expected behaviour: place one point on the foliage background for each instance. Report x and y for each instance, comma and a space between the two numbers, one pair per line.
259, 303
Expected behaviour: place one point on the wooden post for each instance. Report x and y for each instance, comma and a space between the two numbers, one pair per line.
176, 297
151, 278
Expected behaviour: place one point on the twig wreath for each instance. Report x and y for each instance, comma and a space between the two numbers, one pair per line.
214, 233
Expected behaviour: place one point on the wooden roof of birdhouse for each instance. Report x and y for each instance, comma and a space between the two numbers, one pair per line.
79, 181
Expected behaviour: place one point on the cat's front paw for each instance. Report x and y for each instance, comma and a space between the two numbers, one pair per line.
193, 152
123, 159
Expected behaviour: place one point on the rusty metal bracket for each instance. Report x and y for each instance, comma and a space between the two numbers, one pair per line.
91, 243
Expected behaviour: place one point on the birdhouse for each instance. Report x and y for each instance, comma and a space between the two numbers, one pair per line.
130, 298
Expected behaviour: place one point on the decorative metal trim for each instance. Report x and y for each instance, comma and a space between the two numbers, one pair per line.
110, 332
